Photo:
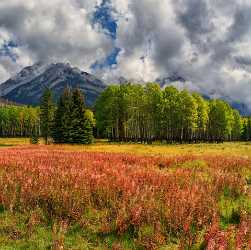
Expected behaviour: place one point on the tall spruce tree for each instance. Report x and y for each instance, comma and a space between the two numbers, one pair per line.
71, 125
47, 114
89, 125
67, 116
77, 128
62, 121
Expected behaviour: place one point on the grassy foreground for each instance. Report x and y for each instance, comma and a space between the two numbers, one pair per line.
121, 196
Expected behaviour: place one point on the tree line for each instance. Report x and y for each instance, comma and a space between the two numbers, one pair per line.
130, 113
137, 113
67, 122
18, 121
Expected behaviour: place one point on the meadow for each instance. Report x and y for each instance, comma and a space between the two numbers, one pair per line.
125, 196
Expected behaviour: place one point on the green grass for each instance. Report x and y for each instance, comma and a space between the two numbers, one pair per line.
18, 233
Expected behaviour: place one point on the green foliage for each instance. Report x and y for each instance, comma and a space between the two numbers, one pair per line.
73, 123
18, 121
46, 114
246, 129
133, 112
87, 133
218, 120
61, 118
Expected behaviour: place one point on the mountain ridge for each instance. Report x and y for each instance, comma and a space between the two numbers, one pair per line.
27, 86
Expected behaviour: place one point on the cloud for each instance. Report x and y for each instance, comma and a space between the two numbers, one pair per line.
207, 42
54, 30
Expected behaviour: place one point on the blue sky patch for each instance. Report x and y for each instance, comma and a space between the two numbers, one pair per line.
109, 61
104, 17
6, 50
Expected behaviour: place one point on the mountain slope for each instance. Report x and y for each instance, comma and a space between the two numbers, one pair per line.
28, 85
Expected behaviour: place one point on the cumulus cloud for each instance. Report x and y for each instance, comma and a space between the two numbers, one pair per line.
53, 31
207, 42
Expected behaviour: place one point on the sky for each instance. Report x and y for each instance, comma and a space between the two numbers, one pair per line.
206, 42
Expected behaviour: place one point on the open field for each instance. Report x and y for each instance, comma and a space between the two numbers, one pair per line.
242, 149
121, 196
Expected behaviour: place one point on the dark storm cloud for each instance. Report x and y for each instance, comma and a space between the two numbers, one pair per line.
241, 25
12, 17
243, 60
194, 17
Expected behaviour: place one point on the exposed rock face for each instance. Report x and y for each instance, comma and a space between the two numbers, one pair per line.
28, 85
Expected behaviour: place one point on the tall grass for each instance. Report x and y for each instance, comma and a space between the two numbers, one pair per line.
192, 201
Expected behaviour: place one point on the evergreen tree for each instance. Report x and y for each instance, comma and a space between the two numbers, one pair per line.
78, 121
73, 124
88, 127
46, 114
244, 132
62, 120
34, 138
249, 129
67, 116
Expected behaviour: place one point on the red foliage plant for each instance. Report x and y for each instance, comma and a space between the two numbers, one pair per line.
177, 196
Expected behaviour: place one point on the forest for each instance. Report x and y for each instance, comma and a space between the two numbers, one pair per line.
68, 121
133, 112
18, 121
128, 113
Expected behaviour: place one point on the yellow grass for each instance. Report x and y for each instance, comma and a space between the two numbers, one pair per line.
241, 149
227, 148
14, 141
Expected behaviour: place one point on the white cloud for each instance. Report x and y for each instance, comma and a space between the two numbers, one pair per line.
207, 42
54, 30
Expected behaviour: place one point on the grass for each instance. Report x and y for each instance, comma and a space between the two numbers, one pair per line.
10, 142
242, 149
185, 188
228, 148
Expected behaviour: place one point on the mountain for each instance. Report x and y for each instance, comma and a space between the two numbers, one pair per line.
28, 85
4, 102
243, 108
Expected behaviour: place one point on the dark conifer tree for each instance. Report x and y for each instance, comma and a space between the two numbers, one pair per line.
88, 131
46, 115
249, 129
67, 116
62, 121
71, 125
244, 134
77, 130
